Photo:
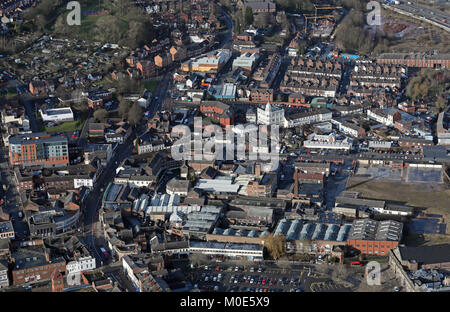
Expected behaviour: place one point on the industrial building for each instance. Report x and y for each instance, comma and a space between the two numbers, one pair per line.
57, 114
297, 230
375, 237
424, 257
227, 250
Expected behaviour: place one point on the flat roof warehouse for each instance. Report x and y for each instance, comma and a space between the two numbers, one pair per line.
57, 111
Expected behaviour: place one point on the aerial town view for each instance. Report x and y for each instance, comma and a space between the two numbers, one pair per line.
224, 146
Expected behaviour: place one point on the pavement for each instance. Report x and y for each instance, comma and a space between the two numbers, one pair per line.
335, 186
263, 278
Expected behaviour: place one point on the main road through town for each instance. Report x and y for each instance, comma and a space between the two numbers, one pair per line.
93, 201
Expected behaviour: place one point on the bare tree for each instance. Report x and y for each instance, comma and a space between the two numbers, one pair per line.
135, 114
275, 245
101, 115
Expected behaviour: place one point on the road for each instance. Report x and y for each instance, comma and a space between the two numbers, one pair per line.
436, 17
362, 155
12, 202
93, 201
228, 34
30, 111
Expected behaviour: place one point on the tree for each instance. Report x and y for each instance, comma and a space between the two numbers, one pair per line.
107, 29
295, 5
301, 49
429, 83
238, 24
275, 245
135, 114
124, 107
262, 20
248, 16
100, 115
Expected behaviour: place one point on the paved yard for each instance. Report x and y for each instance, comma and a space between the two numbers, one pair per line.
424, 175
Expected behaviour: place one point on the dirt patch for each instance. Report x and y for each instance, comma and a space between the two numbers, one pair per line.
393, 26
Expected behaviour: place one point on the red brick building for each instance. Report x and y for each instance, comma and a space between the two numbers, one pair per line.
41, 87
374, 237
94, 102
296, 100
413, 144
163, 59
33, 265
57, 281
420, 60
147, 68
265, 187
261, 95
218, 111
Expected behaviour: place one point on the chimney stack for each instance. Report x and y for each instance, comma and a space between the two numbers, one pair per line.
258, 169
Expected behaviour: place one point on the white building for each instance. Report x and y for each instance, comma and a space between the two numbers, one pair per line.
270, 115
380, 116
144, 102
231, 250
140, 181
380, 144
327, 145
57, 114
442, 132
217, 185
87, 182
128, 265
246, 61
394, 210
351, 129
250, 116
81, 265
4, 280
153, 146
310, 117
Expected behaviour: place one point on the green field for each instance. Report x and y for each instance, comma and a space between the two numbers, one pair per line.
67, 126
151, 85
9, 94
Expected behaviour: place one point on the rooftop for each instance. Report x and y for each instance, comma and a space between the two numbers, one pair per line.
6, 227
426, 254
223, 246
35, 138
371, 230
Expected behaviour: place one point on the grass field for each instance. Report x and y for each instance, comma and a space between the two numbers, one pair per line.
151, 85
68, 126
